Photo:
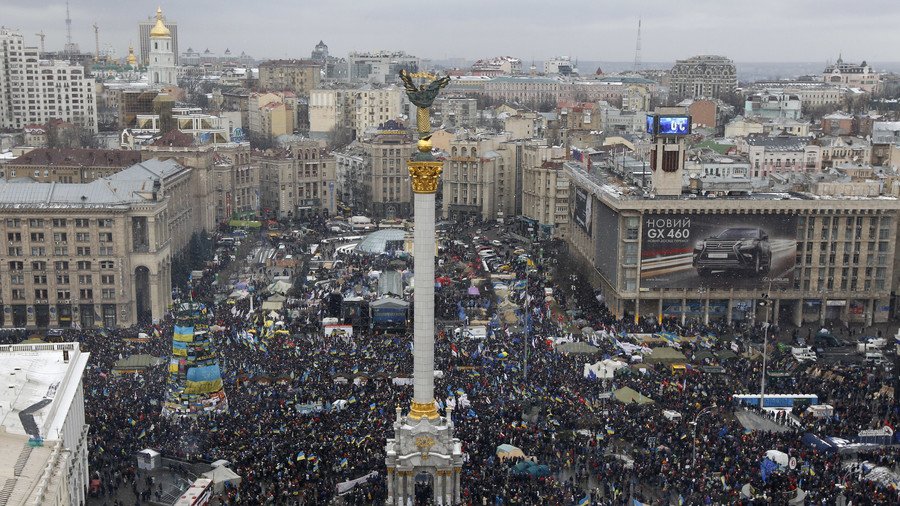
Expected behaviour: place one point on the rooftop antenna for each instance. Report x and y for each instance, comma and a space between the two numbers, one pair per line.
41, 34
96, 42
68, 29
637, 49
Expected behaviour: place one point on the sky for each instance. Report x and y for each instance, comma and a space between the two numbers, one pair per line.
593, 30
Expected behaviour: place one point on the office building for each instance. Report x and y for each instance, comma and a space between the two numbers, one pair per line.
42, 431
782, 153
144, 28
704, 76
272, 114
35, 91
545, 189
815, 256
376, 172
478, 179
95, 253
298, 76
298, 182
380, 67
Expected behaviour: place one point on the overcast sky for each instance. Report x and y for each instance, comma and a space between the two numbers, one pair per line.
595, 30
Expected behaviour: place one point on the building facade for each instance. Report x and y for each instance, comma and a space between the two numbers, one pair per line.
476, 179
545, 189
773, 105
298, 182
35, 91
657, 258
93, 254
852, 75
298, 76
784, 153
272, 114
380, 67
705, 76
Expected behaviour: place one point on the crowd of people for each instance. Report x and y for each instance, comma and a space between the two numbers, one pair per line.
308, 411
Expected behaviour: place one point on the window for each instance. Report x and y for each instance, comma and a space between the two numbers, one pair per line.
82, 222
13, 222
85, 279
36, 223
38, 251
105, 223
61, 251
16, 266
40, 293
107, 279
60, 237
83, 265
39, 266
83, 251
106, 251
14, 236
61, 265
37, 237
86, 294
40, 279
107, 264
17, 279
59, 222
106, 237
63, 295
15, 251
18, 294
62, 279
108, 293
82, 237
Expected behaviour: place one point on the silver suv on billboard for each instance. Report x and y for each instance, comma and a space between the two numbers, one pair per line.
740, 249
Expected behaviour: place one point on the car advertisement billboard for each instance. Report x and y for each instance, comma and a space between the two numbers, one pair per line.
717, 251
582, 210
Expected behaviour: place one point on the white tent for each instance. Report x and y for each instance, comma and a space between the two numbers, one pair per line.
279, 286
778, 457
221, 476
604, 369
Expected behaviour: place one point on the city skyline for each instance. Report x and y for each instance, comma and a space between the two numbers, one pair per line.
602, 32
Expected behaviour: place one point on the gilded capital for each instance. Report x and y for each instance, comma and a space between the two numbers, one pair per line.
417, 411
425, 176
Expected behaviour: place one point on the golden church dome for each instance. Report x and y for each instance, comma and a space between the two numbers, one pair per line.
159, 30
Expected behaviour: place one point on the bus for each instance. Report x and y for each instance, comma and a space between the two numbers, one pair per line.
776, 400
199, 493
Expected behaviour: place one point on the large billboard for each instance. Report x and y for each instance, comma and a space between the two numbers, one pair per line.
582, 212
717, 251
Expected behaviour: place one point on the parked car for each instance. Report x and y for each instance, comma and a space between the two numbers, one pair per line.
741, 249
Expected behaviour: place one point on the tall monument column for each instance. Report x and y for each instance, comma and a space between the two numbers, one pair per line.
423, 440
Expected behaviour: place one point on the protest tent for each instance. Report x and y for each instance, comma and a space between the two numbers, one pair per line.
604, 369
222, 476
136, 364
665, 355
627, 395
778, 457
580, 348
507, 451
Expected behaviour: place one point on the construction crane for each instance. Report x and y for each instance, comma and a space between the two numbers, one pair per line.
96, 42
41, 34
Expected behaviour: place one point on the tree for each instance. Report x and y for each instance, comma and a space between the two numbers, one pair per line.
339, 137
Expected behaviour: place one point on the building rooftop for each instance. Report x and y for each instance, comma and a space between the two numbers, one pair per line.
40, 384
779, 143
129, 186
79, 157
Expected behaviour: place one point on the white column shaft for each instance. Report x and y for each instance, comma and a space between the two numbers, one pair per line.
423, 314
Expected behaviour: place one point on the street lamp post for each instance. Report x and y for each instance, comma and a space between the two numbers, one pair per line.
762, 387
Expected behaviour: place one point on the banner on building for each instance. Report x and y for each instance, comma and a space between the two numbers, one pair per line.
717, 251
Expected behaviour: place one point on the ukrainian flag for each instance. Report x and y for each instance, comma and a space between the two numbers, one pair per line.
301, 456
344, 462
584, 501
